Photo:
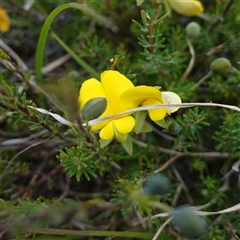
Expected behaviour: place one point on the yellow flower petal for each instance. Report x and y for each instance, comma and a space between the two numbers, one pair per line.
171, 98
90, 89
125, 125
114, 84
121, 138
186, 7
135, 96
107, 132
156, 114
4, 20
144, 95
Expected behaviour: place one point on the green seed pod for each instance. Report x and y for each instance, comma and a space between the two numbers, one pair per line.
174, 128
221, 66
191, 224
73, 74
193, 30
157, 185
93, 108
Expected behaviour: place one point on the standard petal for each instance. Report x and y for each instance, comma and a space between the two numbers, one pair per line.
171, 98
156, 114
114, 84
90, 89
136, 96
107, 132
125, 125
186, 7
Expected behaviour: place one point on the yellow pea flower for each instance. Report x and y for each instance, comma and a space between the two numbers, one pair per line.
188, 8
145, 95
112, 85
4, 20
121, 95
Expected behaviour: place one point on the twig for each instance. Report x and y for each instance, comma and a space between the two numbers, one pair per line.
55, 64
177, 194
191, 63
231, 230
220, 18
164, 166
158, 106
227, 210
235, 168
10, 52
35, 176
101, 18
39, 182
161, 228
184, 186
133, 110
178, 155
181, 154
66, 190
202, 213
17, 155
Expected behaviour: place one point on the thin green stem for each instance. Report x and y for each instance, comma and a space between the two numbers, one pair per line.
161, 206
67, 232
46, 27
209, 74
114, 156
79, 60
236, 71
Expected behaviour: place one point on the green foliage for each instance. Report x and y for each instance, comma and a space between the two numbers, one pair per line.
228, 135
209, 187
152, 41
81, 160
132, 198
191, 124
58, 180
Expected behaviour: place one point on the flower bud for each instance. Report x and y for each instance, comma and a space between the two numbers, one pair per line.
221, 66
188, 8
93, 108
73, 74
157, 185
193, 30
174, 128
191, 224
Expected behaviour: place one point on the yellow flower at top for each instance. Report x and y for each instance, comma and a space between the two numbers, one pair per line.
122, 95
188, 8
145, 95
4, 20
